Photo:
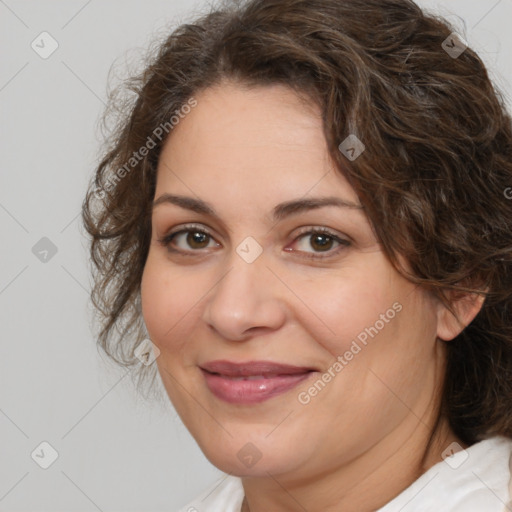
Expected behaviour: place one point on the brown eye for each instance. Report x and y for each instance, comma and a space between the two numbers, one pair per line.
188, 240
197, 239
317, 241
321, 242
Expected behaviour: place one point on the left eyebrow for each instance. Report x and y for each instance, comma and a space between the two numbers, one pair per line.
279, 212
300, 205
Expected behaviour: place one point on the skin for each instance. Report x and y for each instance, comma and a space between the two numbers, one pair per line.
363, 439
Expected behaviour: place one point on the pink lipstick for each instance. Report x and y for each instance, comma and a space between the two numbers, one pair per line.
253, 381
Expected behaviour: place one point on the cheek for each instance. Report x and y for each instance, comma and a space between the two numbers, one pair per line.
346, 303
168, 300
384, 346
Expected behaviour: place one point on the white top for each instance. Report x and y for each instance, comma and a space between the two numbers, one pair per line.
477, 479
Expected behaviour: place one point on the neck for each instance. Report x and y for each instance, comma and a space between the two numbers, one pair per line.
365, 484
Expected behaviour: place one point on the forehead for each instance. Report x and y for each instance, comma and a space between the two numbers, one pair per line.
241, 139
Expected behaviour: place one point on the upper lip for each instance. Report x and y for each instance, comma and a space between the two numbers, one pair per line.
246, 369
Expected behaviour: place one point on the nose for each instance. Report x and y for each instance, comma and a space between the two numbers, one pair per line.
246, 300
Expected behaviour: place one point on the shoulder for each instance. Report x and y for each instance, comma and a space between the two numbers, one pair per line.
478, 479
224, 495
489, 477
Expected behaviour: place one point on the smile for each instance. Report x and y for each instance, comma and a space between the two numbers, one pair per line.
253, 382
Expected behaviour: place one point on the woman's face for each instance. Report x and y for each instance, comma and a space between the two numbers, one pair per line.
265, 284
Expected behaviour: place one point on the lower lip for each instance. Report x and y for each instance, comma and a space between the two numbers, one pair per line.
251, 391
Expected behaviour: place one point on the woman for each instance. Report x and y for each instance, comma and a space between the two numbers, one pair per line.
305, 211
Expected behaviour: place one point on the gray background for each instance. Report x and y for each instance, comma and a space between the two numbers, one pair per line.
117, 451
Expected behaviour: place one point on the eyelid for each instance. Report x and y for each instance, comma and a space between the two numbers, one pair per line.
168, 236
324, 230
343, 241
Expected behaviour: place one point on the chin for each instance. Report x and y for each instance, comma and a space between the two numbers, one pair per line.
241, 457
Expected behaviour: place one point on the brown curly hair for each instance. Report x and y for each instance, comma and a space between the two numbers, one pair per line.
432, 180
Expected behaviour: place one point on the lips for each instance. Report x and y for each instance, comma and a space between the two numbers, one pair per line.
252, 382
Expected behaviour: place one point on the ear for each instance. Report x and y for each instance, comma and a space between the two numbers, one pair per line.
465, 305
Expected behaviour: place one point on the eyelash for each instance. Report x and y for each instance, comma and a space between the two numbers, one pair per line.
167, 239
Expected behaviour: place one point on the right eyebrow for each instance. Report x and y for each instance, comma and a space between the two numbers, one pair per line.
188, 203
